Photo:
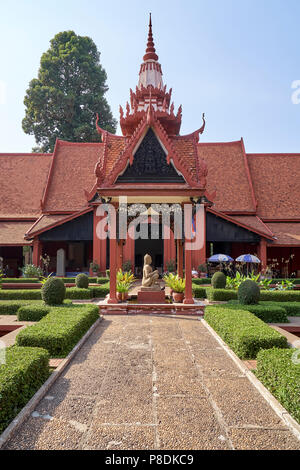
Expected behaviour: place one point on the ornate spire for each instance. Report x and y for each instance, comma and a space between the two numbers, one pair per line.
150, 51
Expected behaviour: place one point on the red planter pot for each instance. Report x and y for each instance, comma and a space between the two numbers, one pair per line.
122, 296
178, 297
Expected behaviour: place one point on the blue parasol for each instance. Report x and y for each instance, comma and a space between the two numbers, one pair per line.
220, 259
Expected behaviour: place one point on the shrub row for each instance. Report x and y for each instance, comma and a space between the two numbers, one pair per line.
71, 293
11, 307
221, 294
244, 333
20, 280
200, 281
33, 312
270, 313
102, 280
292, 308
22, 294
60, 330
277, 370
100, 291
199, 292
25, 371
280, 296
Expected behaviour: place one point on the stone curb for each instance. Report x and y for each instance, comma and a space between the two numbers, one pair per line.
273, 402
25, 412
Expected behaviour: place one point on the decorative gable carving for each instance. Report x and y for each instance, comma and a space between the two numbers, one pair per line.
150, 164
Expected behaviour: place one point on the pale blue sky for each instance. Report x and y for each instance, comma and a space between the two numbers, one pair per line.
235, 60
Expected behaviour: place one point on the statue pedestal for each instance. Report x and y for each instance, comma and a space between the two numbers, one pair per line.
151, 295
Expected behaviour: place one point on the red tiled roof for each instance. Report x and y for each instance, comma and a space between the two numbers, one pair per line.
12, 233
286, 233
228, 175
276, 181
22, 181
71, 174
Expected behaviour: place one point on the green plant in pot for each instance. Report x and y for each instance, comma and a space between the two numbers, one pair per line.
177, 286
124, 283
94, 268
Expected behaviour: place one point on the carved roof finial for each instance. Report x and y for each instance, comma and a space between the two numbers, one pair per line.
150, 51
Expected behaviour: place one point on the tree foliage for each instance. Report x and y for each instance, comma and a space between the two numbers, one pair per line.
63, 101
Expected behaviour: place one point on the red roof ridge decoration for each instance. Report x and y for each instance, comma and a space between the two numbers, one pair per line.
150, 51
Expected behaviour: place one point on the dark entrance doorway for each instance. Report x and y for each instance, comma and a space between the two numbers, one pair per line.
153, 247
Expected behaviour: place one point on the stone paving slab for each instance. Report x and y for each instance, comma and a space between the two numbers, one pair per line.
150, 382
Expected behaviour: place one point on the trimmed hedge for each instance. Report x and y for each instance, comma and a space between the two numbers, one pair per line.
102, 280
244, 333
267, 313
277, 371
100, 291
60, 330
33, 312
201, 280
20, 280
78, 294
199, 292
221, 294
280, 296
292, 308
22, 294
11, 307
25, 371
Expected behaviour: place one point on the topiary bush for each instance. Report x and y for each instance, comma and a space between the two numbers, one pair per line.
248, 293
218, 281
53, 291
82, 281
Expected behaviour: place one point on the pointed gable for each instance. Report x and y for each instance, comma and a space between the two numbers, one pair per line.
150, 164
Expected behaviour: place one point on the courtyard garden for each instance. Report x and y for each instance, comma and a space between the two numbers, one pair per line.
239, 310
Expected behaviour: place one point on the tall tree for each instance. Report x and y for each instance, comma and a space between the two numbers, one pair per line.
63, 101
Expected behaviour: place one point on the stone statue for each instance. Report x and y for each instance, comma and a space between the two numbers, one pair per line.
150, 277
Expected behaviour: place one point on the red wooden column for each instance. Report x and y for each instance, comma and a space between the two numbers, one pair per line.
119, 254
129, 248
199, 256
180, 258
188, 277
113, 258
188, 254
99, 244
263, 254
169, 247
37, 252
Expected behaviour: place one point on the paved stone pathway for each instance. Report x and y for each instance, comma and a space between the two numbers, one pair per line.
149, 382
